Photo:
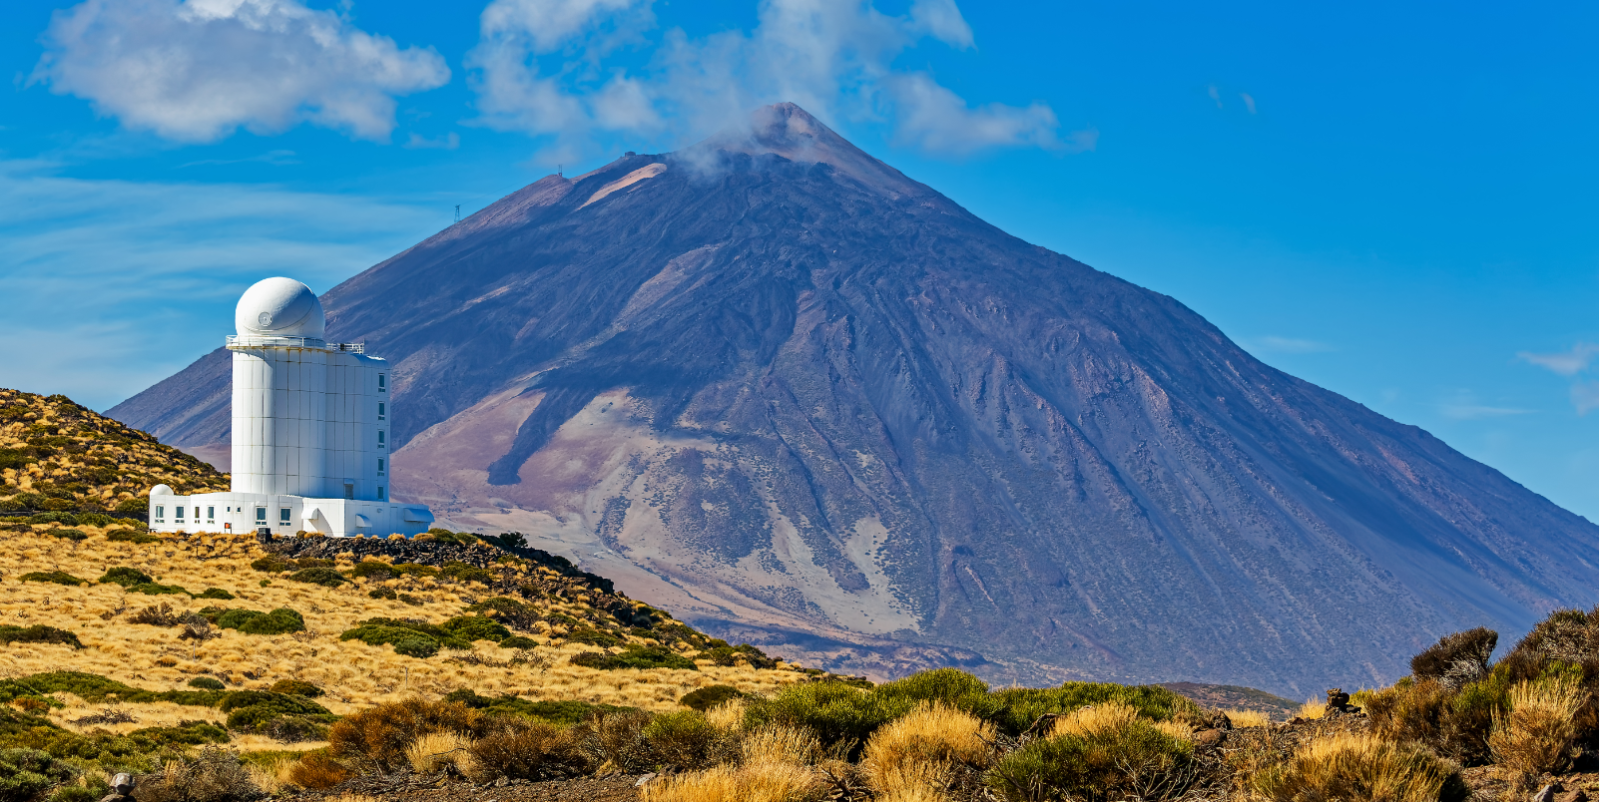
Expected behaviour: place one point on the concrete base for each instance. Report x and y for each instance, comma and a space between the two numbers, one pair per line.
284, 515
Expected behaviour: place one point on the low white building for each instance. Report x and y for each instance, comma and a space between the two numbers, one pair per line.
310, 431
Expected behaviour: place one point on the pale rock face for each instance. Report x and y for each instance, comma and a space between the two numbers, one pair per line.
279, 307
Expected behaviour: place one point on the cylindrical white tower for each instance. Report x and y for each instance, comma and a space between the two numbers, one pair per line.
280, 383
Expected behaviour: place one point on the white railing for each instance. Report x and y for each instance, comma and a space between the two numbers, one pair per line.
235, 342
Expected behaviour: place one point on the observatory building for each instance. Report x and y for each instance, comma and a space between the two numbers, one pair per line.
310, 450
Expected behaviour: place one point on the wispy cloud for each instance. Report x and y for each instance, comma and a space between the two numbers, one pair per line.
1464, 406
1289, 345
1252, 105
1564, 363
448, 142
196, 71
281, 157
544, 68
98, 270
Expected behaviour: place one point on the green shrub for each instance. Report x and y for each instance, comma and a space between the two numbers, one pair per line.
275, 714
1457, 658
476, 628
557, 712
465, 573
95, 519
137, 504
1136, 761
57, 577
273, 563
214, 593
157, 589
74, 792
595, 638
635, 657
211, 774
189, 731
296, 687
952, 687
1352, 767
528, 750
131, 536
1022, 707
518, 643
275, 622
125, 577
372, 569
512, 540
69, 533
416, 645
53, 517
382, 593
444, 536
840, 714
206, 683
710, 697
320, 575
684, 739
512, 612
743, 653
25, 773
38, 634
414, 570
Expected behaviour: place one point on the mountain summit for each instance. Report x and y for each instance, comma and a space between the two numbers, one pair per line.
772, 384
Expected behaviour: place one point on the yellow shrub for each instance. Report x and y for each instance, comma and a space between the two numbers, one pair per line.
430, 752
779, 744
1313, 709
1092, 719
1361, 767
1535, 735
769, 780
727, 715
1242, 718
911, 757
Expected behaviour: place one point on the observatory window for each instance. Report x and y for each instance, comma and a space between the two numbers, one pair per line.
211, 513
283, 515
261, 515
350, 491
381, 493
381, 466
381, 439
160, 509
381, 411
381, 383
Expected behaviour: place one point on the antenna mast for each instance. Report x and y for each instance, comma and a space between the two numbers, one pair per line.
458, 214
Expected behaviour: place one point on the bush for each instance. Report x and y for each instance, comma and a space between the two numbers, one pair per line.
273, 564
212, 684
513, 540
415, 645
25, 773
320, 575
286, 717
710, 697
382, 593
214, 593
512, 612
372, 569
317, 770
137, 504
518, 643
213, 774
296, 687
159, 615
951, 687
1458, 658
273, 623
685, 739
466, 573
95, 519
528, 750
556, 712
125, 577
1021, 708
1136, 761
1361, 767
189, 731
157, 589
131, 536
635, 657
476, 628
1537, 734
54, 517
69, 533
38, 634
837, 713
595, 638
57, 577
913, 757
380, 735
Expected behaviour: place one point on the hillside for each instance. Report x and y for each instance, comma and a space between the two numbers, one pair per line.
58, 455
777, 386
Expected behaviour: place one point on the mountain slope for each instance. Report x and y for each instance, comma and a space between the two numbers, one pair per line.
781, 389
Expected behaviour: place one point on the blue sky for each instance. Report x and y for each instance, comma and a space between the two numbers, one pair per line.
1395, 201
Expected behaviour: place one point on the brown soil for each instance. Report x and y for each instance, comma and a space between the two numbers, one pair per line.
441, 787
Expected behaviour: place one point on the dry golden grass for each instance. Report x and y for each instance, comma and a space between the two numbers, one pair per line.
354, 675
911, 758
1350, 766
728, 715
780, 744
1535, 735
1099, 718
1243, 718
763, 781
1173, 729
1314, 708
432, 751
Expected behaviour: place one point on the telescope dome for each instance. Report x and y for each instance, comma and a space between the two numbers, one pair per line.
279, 307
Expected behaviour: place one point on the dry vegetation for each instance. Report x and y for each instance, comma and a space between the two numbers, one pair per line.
56, 455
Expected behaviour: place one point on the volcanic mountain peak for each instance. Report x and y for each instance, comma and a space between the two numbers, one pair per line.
759, 387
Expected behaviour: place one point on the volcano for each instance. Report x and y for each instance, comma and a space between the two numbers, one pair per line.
799, 399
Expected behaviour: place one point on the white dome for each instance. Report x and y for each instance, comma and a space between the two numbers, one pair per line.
279, 307
161, 490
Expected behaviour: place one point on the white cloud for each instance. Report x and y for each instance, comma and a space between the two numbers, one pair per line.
1584, 396
196, 71
112, 286
1568, 363
1252, 105
448, 142
540, 68
1475, 412
1289, 345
